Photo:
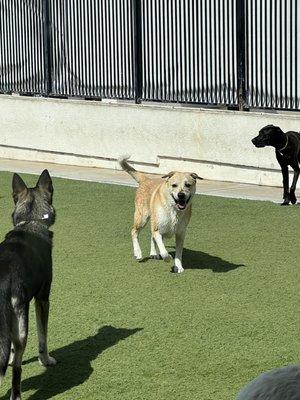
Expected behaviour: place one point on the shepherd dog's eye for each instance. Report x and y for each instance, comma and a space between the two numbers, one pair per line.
188, 185
174, 185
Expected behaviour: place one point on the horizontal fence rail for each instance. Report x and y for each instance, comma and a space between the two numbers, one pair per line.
236, 53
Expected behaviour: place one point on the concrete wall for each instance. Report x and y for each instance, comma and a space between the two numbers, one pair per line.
214, 143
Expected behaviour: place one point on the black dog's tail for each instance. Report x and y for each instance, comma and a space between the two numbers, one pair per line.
5, 334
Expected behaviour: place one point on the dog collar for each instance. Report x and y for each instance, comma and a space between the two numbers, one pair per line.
284, 147
41, 220
21, 223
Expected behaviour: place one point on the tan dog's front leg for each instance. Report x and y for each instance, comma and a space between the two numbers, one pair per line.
162, 249
178, 256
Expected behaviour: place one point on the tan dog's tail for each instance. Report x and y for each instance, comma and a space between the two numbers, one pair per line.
138, 176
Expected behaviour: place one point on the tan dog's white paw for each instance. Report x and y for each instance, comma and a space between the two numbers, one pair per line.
177, 270
47, 361
167, 257
138, 255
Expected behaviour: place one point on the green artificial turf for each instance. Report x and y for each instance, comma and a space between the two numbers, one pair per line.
122, 330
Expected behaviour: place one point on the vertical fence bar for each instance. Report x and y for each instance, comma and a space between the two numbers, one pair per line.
47, 46
137, 38
241, 59
296, 56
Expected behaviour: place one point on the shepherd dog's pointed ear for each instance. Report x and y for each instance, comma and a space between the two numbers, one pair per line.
169, 175
45, 182
18, 186
196, 176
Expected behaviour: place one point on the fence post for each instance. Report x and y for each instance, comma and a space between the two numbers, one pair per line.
241, 55
137, 37
47, 46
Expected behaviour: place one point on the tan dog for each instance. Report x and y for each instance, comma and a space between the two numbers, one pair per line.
169, 204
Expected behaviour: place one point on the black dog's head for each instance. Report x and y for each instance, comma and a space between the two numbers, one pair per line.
269, 135
33, 204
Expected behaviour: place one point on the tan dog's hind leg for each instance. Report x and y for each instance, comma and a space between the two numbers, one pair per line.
162, 249
140, 220
154, 251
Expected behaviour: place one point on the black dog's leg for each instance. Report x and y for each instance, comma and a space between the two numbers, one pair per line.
285, 176
19, 339
296, 169
42, 314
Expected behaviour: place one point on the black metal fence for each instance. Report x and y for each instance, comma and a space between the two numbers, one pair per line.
189, 51
22, 62
237, 53
273, 51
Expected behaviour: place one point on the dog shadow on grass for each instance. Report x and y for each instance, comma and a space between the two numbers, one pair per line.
73, 363
194, 259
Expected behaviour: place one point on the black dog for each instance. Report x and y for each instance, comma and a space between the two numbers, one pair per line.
287, 149
26, 272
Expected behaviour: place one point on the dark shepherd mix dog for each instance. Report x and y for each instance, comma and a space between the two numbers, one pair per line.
26, 272
287, 149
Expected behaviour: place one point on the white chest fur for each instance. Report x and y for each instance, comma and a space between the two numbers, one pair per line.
168, 220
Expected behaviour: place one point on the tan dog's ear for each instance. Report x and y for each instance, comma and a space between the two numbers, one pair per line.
195, 176
169, 175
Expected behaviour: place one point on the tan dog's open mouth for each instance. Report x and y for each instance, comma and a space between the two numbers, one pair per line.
181, 203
